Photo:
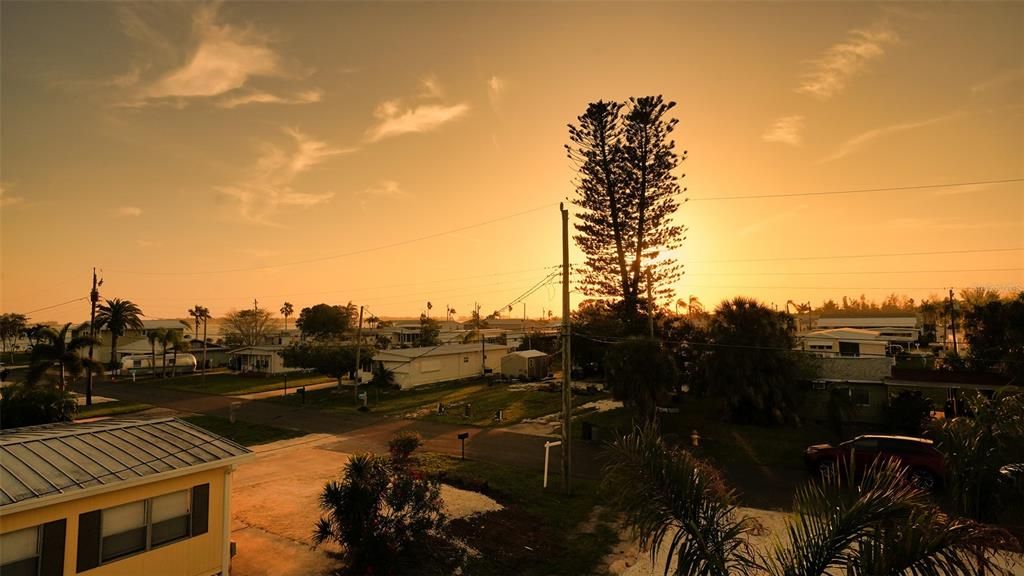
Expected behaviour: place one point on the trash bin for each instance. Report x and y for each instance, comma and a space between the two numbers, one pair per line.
587, 429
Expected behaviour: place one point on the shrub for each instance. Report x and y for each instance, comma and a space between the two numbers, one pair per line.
383, 511
23, 405
909, 413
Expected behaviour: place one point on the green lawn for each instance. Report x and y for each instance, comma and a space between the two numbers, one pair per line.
244, 433
114, 408
539, 533
422, 402
228, 384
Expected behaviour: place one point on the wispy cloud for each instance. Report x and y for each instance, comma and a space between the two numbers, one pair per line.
496, 87
129, 211
998, 81
385, 189
395, 120
225, 58
786, 130
268, 184
261, 97
853, 144
430, 88
7, 199
831, 73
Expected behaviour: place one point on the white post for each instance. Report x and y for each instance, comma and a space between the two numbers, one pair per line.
547, 458
226, 528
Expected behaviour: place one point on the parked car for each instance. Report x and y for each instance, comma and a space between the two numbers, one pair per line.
925, 462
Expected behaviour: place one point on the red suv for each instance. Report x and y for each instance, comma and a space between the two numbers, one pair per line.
926, 464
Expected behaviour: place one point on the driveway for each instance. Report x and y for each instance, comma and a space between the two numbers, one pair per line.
274, 507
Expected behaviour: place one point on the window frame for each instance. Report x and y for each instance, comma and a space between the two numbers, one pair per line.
148, 520
38, 557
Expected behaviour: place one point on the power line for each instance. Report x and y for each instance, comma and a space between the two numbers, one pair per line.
336, 256
838, 257
56, 305
859, 190
854, 272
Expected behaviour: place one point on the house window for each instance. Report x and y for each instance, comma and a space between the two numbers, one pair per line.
144, 525
465, 359
136, 363
123, 530
20, 552
849, 349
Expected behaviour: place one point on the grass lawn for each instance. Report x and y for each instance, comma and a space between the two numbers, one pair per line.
244, 433
723, 443
539, 532
228, 384
110, 409
422, 402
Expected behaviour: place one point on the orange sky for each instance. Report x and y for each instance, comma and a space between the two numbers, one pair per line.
327, 152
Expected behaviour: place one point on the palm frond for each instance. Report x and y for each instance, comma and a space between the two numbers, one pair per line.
671, 498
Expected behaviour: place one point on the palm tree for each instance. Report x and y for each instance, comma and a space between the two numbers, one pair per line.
179, 345
56, 348
171, 339
154, 336
287, 310
118, 315
881, 525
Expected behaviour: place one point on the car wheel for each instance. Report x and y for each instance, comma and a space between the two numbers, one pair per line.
923, 479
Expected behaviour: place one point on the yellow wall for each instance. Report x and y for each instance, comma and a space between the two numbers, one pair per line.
197, 556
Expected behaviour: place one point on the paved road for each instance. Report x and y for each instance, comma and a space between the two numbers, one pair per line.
366, 432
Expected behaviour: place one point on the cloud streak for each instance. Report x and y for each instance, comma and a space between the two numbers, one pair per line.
260, 97
129, 211
786, 130
8, 200
268, 185
395, 120
857, 142
832, 72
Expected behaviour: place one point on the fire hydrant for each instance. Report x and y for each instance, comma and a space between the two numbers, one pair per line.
694, 439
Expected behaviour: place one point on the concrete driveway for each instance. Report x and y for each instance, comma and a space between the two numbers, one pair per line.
274, 503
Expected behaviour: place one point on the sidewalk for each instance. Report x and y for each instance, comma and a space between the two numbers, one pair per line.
281, 392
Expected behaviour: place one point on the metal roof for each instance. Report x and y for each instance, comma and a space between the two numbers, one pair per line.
39, 463
423, 351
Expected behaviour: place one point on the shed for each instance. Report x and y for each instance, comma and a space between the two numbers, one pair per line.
119, 496
530, 364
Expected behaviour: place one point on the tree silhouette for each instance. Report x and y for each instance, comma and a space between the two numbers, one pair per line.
287, 310
54, 348
626, 190
118, 316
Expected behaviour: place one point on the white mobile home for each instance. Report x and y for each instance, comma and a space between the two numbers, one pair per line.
417, 366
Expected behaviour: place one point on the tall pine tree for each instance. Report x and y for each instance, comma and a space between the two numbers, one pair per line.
627, 190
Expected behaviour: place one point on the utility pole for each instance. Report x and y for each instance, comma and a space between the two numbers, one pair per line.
94, 297
650, 306
529, 338
483, 341
566, 358
206, 320
359, 349
952, 319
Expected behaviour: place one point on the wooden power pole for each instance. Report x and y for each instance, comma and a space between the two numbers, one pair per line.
94, 297
566, 358
952, 320
359, 349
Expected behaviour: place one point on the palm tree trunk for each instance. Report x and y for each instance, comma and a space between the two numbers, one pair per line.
152, 359
113, 349
163, 359
174, 363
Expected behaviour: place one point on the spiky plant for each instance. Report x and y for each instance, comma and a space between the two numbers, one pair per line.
672, 499
56, 349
